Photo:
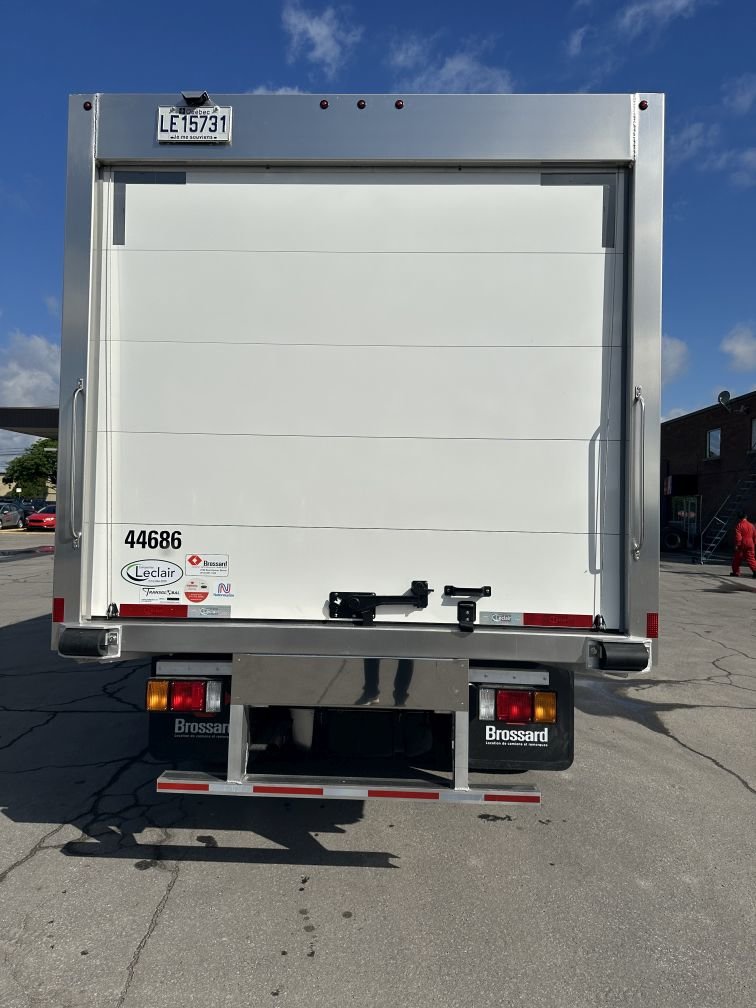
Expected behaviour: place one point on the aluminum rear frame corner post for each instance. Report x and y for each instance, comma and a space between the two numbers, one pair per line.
238, 743
461, 750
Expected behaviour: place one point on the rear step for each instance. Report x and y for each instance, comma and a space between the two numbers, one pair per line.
273, 786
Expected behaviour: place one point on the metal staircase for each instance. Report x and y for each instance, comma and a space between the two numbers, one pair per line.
720, 522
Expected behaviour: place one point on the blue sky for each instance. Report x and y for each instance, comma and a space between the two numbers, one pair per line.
702, 53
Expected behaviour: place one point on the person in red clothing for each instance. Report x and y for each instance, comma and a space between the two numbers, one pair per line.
745, 539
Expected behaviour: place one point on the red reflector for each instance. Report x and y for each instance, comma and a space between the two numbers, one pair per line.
187, 695
148, 611
652, 624
379, 793
178, 786
58, 610
514, 706
284, 790
534, 799
569, 620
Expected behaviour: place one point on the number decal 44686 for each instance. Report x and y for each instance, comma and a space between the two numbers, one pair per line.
153, 539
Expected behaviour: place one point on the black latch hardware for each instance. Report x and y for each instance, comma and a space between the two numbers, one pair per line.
362, 605
450, 590
466, 616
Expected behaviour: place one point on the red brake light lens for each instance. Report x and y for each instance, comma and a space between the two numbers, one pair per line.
514, 706
652, 625
187, 695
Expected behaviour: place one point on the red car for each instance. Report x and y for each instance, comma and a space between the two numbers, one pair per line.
42, 520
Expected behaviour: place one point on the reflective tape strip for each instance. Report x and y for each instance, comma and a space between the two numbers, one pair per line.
181, 786
569, 621
147, 611
285, 789
532, 798
385, 793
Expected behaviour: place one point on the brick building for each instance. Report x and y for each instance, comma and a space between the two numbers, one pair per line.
706, 458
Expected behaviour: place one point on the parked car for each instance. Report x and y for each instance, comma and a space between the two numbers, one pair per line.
42, 521
29, 506
11, 516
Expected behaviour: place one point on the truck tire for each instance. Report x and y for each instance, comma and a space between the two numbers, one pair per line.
671, 540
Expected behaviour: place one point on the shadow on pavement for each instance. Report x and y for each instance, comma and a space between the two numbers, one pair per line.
73, 753
604, 697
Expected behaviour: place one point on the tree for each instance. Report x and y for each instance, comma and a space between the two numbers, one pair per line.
33, 471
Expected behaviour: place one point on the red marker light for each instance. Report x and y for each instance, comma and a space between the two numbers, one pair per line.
514, 706
652, 625
361, 103
643, 105
399, 103
324, 103
187, 695
87, 106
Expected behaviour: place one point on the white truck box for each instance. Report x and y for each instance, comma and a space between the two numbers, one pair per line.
362, 350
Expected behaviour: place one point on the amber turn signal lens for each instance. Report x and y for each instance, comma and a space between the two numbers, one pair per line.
545, 708
157, 695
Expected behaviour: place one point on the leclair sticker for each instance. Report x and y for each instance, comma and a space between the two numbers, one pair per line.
151, 573
208, 564
501, 618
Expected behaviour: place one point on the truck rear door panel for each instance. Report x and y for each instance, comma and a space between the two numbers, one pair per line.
346, 380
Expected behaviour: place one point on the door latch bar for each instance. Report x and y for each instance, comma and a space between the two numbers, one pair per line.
362, 605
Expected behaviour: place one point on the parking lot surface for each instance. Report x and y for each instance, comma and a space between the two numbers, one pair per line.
633, 883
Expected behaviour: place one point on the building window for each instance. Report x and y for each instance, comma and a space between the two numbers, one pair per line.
753, 435
713, 443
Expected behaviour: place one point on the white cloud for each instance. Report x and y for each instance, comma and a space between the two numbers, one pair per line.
269, 89
29, 371
646, 15
600, 48
53, 305
743, 172
324, 39
740, 166
575, 41
739, 94
410, 52
740, 346
691, 141
675, 358
421, 68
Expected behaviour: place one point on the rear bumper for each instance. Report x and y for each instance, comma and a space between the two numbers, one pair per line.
576, 648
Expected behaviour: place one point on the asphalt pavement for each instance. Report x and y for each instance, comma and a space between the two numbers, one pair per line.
632, 884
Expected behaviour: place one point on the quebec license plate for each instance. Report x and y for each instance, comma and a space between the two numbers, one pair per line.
183, 124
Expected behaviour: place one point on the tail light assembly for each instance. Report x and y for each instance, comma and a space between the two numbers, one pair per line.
192, 696
517, 706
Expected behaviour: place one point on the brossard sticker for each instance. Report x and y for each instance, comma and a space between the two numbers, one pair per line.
208, 564
517, 736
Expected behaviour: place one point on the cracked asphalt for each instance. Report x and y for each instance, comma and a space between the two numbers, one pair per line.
633, 883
